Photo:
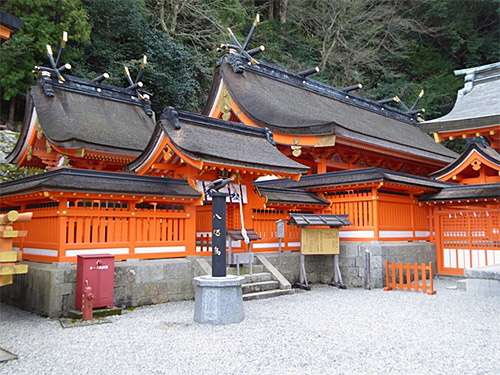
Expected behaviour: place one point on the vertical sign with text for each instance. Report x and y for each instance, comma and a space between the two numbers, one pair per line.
218, 234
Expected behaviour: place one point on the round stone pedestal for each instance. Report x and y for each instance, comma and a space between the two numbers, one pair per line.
218, 300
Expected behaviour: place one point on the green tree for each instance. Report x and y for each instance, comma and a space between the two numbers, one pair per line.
121, 34
45, 20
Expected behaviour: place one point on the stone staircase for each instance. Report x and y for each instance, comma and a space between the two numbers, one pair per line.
259, 284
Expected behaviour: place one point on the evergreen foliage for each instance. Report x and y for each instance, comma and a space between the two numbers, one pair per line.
44, 23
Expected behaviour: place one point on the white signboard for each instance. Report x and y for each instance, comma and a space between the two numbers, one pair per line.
280, 229
233, 191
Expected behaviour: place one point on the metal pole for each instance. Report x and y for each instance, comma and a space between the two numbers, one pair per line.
230, 252
303, 275
337, 270
250, 255
218, 234
279, 246
367, 270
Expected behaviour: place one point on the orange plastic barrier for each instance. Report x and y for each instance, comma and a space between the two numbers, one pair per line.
400, 270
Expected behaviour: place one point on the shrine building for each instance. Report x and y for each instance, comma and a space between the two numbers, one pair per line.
119, 180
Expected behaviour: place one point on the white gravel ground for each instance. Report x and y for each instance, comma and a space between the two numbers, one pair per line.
325, 331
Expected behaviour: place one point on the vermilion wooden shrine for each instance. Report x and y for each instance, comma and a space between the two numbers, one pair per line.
122, 183
466, 218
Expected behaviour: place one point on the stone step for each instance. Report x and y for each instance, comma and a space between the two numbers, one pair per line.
267, 294
462, 285
259, 286
257, 277
256, 268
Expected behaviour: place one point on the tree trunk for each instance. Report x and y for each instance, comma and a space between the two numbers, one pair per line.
271, 9
12, 112
283, 11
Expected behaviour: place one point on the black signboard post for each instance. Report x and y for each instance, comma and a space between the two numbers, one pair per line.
218, 298
218, 233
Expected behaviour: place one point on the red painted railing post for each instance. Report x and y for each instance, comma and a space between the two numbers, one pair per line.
387, 283
431, 291
392, 284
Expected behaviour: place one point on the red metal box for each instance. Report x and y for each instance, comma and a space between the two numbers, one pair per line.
99, 270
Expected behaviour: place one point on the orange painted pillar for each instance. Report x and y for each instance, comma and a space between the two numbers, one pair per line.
190, 229
430, 220
376, 213
438, 239
322, 166
62, 219
132, 230
412, 216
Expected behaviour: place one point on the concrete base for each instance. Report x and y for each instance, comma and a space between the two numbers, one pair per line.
218, 300
483, 281
96, 313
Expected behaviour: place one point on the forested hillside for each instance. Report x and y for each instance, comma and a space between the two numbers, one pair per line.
392, 47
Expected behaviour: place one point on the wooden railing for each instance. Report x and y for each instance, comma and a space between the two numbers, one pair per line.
359, 207
70, 229
264, 224
42, 230
397, 273
96, 228
380, 215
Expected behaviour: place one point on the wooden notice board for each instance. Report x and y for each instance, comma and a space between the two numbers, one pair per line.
319, 241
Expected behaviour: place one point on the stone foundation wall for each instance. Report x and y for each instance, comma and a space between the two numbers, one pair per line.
352, 259
319, 268
49, 289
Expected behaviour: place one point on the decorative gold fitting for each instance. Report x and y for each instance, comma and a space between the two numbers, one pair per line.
64, 39
79, 152
296, 151
257, 20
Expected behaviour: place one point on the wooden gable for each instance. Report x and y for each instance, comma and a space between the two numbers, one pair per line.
477, 165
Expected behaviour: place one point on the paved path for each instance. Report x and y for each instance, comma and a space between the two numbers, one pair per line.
325, 331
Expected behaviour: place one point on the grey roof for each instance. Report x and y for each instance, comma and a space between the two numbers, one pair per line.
211, 140
464, 192
77, 180
236, 234
73, 119
319, 220
291, 196
477, 104
79, 113
10, 21
278, 99
355, 176
487, 152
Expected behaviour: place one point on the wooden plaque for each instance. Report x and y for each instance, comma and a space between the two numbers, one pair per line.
319, 241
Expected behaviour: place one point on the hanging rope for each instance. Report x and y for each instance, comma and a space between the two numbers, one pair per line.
243, 230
